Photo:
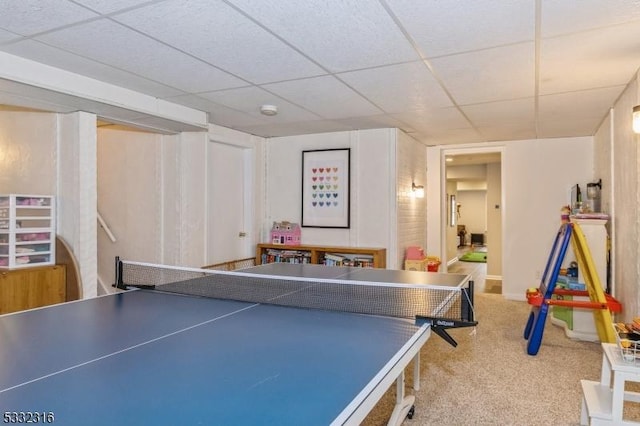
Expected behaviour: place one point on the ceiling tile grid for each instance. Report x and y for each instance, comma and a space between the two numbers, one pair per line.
408, 86
339, 34
459, 26
311, 93
444, 71
233, 42
29, 17
59, 58
107, 42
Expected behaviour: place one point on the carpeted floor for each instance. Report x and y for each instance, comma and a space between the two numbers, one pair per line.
490, 380
493, 286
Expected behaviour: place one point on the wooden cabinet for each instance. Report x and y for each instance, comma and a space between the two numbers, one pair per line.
27, 231
346, 256
29, 288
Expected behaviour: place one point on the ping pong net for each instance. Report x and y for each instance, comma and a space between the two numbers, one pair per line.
442, 306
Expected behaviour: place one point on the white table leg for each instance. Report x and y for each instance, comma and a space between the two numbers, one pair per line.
605, 372
403, 403
416, 372
584, 415
617, 398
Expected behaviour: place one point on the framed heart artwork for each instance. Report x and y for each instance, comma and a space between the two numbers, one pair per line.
326, 188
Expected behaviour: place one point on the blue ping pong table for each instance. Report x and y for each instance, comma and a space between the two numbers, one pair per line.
150, 357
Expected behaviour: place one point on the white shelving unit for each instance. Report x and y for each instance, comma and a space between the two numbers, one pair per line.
603, 401
27, 231
584, 327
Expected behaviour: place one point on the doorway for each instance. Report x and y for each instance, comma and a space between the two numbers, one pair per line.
474, 178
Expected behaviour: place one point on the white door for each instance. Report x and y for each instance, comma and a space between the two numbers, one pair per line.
226, 208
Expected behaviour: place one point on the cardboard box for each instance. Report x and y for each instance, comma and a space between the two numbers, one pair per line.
415, 265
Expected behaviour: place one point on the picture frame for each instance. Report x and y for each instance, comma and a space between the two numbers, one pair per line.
326, 188
453, 211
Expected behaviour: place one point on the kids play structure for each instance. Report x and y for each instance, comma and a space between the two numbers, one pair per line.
548, 295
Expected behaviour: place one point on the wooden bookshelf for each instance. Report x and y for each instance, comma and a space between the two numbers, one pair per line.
373, 257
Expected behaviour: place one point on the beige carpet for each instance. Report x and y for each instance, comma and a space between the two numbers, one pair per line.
493, 286
490, 380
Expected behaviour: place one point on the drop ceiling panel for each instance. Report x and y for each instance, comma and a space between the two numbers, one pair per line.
217, 113
599, 58
28, 17
428, 121
409, 86
570, 16
489, 75
580, 105
6, 36
514, 112
249, 100
311, 93
110, 6
108, 42
580, 111
374, 122
233, 42
58, 58
461, 26
339, 34
453, 136
508, 132
344, 64
299, 128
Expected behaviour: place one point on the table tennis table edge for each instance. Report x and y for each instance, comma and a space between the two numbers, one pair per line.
393, 371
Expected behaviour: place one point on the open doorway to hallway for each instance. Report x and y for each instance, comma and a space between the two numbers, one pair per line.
473, 229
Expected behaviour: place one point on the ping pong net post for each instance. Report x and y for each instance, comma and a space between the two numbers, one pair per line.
466, 319
442, 307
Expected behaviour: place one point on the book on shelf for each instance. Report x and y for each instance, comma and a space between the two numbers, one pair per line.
286, 256
363, 262
335, 259
331, 259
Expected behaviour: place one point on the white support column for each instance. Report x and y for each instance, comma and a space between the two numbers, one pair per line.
77, 193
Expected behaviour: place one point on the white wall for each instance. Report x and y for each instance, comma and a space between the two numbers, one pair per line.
28, 153
77, 193
473, 211
494, 220
152, 192
618, 165
411, 211
184, 202
130, 198
378, 177
537, 178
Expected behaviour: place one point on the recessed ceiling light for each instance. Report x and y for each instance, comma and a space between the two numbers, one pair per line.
269, 110
448, 159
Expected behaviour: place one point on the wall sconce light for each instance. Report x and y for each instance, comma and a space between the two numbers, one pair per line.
636, 119
418, 190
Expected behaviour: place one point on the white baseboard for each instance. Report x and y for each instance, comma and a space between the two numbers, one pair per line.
104, 288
